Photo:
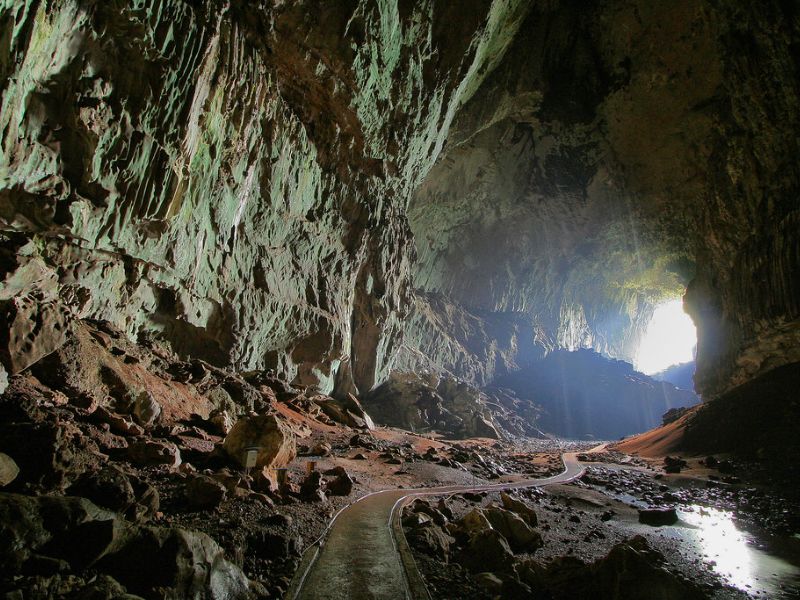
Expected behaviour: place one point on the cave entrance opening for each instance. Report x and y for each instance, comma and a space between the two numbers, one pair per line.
670, 338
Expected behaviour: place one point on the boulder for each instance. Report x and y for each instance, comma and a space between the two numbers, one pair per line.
264, 480
175, 563
221, 421
8, 469
489, 582
231, 480
363, 441
147, 503
412, 520
109, 487
422, 506
347, 411
151, 562
221, 400
272, 545
420, 403
342, 485
49, 453
49, 525
514, 589
631, 570
520, 508
487, 550
444, 508
335, 471
34, 322
154, 452
320, 449
474, 521
673, 464
203, 492
117, 423
269, 434
519, 534
354, 407
430, 539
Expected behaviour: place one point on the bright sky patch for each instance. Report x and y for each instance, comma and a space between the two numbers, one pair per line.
670, 339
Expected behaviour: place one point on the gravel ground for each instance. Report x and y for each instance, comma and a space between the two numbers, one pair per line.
587, 518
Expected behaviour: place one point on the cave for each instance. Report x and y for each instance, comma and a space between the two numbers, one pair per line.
392, 299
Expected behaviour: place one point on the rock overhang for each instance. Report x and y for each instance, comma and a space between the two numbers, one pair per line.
332, 192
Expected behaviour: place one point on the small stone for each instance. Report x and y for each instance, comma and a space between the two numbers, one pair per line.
658, 516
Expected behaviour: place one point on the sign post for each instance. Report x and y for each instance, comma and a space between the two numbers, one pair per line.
250, 458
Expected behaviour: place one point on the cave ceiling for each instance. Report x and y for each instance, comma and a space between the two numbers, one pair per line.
333, 190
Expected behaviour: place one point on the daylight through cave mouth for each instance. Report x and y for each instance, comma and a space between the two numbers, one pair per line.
670, 338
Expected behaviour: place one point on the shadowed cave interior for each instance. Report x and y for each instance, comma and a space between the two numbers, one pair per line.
261, 259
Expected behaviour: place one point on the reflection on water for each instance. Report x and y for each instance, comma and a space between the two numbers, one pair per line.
736, 557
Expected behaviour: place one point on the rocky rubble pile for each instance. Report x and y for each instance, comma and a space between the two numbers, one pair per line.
113, 454
496, 546
431, 403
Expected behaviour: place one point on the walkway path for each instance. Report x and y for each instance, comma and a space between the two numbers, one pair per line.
359, 558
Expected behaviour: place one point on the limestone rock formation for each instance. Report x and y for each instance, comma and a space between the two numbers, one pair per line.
233, 176
214, 212
613, 157
324, 188
272, 439
422, 404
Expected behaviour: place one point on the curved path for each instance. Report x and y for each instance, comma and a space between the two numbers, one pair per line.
359, 557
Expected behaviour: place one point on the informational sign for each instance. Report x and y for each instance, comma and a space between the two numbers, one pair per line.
250, 457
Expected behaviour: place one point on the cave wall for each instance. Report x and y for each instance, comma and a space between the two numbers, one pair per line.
618, 153
746, 295
233, 176
329, 189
